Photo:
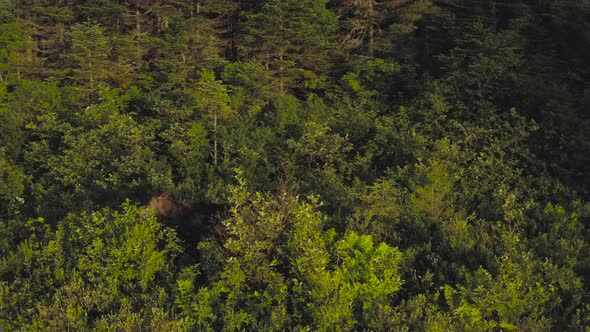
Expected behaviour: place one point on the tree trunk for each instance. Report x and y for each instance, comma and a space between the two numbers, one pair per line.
370, 17
215, 138
370, 49
137, 23
493, 12
90, 69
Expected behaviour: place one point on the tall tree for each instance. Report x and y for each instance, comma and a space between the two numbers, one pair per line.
370, 26
90, 51
292, 38
213, 102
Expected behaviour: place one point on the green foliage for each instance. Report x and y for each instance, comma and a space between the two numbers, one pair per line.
95, 270
402, 165
292, 39
89, 48
513, 300
111, 156
484, 61
10, 44
330, 284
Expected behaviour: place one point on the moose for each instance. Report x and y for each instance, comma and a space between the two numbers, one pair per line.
192, 218
165, 207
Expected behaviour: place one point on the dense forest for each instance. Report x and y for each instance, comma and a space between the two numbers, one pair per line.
295, 165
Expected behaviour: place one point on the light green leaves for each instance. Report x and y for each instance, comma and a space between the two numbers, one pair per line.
94, 268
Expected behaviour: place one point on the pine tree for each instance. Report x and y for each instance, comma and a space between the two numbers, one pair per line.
290, 37
90, 50
213, 101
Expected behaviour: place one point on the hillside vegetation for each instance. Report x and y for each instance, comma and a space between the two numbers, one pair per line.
294, 165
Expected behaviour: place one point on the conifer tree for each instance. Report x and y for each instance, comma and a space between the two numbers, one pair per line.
289, 37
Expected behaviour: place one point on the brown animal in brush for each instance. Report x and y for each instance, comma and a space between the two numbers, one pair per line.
192, 219
165, 207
